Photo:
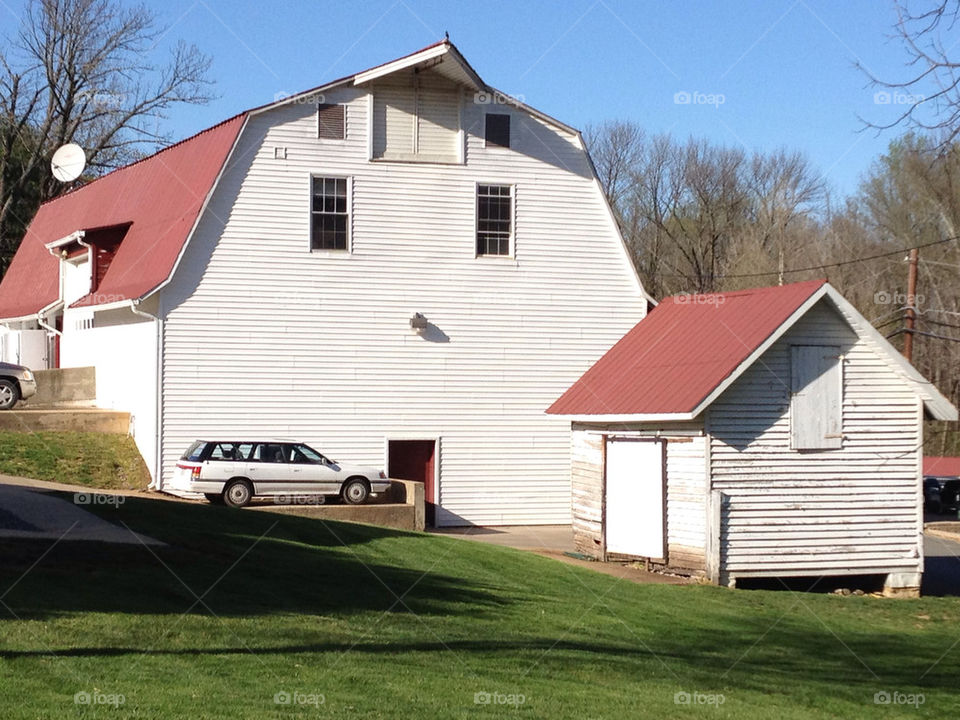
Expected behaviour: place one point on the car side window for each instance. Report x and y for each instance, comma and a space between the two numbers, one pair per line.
308, 454
224, 451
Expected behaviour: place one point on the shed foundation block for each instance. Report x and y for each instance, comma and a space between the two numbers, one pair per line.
902, 585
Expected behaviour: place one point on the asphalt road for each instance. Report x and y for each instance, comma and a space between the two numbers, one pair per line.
942, 566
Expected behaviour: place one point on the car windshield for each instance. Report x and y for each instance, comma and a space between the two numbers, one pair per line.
194, 451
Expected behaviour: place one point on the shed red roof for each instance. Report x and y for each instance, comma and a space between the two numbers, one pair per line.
682, 351
941, 466
160, 196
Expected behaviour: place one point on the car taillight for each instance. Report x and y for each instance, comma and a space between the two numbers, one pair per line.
383, 475
194, 470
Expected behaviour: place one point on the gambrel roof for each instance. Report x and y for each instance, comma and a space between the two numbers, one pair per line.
161, 198
675, 362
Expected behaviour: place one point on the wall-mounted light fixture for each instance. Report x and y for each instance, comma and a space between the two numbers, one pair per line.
419, 322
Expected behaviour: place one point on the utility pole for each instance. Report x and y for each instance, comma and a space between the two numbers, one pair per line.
911, 305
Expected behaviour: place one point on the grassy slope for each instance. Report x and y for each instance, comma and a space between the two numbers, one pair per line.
99, 460
396, 625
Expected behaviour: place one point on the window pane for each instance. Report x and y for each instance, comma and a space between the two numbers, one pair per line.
330, 214
494, 219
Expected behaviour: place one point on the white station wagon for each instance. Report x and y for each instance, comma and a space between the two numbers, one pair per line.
236, 472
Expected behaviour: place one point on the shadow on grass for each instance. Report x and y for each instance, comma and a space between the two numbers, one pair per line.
238, 563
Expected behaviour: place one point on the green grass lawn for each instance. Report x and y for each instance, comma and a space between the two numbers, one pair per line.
99, 460
245, 606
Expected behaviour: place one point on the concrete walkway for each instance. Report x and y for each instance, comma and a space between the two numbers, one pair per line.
33, 513
555, 541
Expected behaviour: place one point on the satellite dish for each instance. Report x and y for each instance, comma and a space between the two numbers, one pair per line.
68, 162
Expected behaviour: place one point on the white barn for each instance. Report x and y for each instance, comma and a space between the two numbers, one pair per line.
402, 267
760, 433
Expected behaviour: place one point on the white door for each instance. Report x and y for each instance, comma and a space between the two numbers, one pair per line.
635, 508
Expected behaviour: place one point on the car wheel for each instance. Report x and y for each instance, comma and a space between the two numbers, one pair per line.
237, 493
214, 498
355, 491
9, 394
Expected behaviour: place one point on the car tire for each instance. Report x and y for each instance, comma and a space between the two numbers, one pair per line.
214, 498
355, 491
237, 493
9, 394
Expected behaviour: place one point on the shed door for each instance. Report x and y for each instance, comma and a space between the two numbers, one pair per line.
635, 507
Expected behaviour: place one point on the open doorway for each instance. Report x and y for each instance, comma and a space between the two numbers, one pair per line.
416, 460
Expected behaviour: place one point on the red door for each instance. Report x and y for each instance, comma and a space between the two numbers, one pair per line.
413, 460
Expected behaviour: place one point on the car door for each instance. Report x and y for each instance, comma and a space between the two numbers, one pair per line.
267, 468
316, 473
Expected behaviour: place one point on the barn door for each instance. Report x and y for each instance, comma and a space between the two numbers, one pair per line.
635, 502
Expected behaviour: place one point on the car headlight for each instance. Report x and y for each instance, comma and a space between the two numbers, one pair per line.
28, 375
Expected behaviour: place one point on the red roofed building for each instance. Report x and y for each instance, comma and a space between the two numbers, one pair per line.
402, 267
767, 432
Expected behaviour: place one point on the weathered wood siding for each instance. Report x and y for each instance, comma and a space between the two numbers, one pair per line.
686, 488
586, 490
686, 502
856, 509
263, 337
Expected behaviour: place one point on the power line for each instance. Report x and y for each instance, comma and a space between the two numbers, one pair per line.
841, 263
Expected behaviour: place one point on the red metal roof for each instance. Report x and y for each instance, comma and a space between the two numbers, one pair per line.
160, 196
941, 466
682, 351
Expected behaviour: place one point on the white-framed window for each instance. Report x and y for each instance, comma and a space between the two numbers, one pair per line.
816, 397
495, 219
330, 213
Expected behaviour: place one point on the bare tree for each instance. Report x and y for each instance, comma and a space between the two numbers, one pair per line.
930, 94
79, 71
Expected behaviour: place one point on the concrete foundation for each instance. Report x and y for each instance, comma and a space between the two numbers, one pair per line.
902, 585
64, 387
66, 420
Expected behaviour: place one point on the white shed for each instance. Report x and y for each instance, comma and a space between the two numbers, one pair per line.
761, 433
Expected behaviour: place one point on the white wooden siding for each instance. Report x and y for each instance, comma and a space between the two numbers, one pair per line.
394, 112
851, 510
686, 502
586, 487
263, 337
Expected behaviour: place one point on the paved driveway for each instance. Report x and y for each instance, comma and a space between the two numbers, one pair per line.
30, 513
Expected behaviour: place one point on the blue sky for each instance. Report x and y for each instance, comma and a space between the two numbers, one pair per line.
761, 74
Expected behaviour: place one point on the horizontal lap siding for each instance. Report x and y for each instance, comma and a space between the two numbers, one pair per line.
261, 337
855, 509
686, 502
586, 486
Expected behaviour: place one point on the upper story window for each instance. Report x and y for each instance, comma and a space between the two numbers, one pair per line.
417, 119
497, 130
331, 122
330, 214
494, 219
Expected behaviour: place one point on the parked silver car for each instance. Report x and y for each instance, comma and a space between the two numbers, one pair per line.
16, 383
235, 472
